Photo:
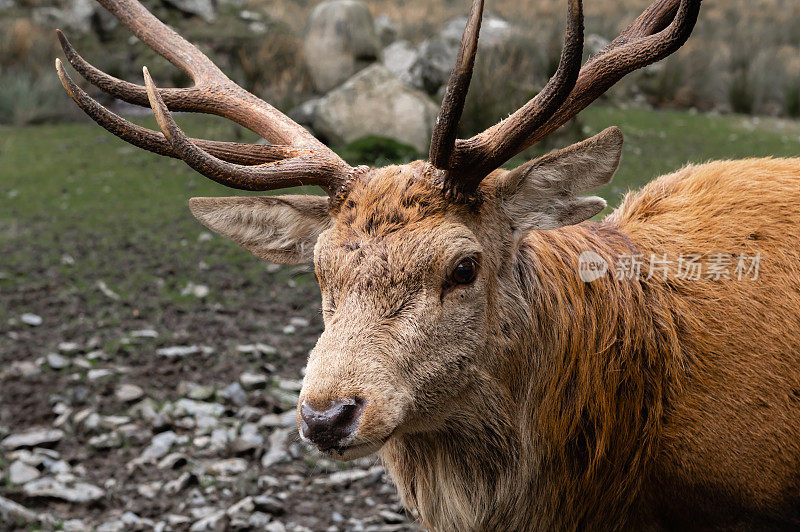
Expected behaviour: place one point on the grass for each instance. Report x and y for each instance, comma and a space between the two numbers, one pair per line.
72, 192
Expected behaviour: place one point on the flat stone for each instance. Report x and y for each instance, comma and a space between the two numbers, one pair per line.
228, 467
98, 374
197, 408
345, 478
56, 361
75, 492
160, 445
252, 381
32, 438
268, 504
234, 393
127, 393
217, 521
277, 448
20, 473
11, 512
184, 350
34, 320
69, 348
144, 333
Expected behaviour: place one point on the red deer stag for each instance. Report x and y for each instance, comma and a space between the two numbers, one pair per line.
502, 391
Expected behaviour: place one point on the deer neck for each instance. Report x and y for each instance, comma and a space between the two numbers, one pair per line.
568, 407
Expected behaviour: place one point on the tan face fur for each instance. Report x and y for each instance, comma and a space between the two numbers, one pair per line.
401, 338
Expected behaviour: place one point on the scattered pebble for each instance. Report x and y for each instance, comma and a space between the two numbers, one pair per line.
197, 290
32, 438
34, 320
128, 393
56, 361
20, 473
184, 350
76, 492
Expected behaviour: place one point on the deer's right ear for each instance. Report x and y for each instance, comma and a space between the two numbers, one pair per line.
280, 229
546, 193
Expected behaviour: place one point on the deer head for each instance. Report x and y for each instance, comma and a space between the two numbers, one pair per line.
411, 260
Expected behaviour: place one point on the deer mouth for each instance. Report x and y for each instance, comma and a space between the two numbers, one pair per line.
354, 450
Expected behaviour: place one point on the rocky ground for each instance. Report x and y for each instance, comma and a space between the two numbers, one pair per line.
85, 445
130, 400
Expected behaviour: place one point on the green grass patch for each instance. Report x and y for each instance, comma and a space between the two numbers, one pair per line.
78, 205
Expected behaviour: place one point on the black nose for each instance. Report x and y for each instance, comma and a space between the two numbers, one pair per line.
327, 428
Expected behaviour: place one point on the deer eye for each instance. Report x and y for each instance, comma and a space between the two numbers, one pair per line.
465, 271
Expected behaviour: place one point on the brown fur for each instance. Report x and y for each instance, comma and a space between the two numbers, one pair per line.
531, 400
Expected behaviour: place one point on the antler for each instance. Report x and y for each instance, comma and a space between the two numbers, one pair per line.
463, 163
296, 158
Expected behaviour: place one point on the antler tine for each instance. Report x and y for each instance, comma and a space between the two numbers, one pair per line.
474, 158
213, 92
177, 99
443, 140
660, 31
309, 168
248, 154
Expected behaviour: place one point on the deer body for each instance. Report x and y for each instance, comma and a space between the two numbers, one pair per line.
502, 391
627, 403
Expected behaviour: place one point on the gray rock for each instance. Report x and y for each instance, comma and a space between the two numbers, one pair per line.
34, 320
98, 374
434, 62
377, 102
179, 484
190, 407
11, 512
197, 290
252, 381
268, 504
56, 361
217, 521
242, 508
75, 492
184, 350
437, 55
277, 449
204, 9
73, 525
32, 438
76, 16
347, 477
234, 393
340, 40
69, 348
173, 461
228, 468
386, 29
144, 333
304, 115
495, 32
391, 517
258, 521
400, 57
19, 473
159, 446
127, 393
109, 440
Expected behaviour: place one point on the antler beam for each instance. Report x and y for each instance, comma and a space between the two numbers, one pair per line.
658, 32
297, 155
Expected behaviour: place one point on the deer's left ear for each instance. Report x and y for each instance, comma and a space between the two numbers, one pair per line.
545, 193
282, 229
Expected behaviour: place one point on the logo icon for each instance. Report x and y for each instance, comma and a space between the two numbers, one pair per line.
591, 266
